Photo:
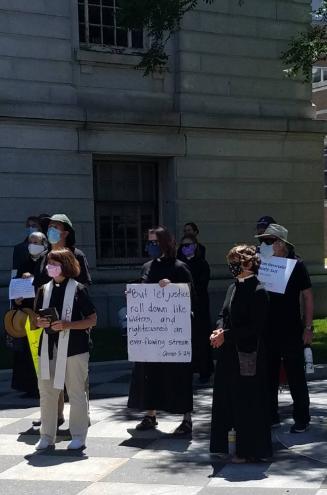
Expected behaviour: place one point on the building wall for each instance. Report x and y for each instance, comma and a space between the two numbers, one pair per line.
234, 138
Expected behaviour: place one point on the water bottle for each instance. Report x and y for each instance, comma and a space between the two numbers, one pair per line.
232, 442
308, 359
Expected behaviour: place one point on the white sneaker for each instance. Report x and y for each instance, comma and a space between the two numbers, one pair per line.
43, 444
75, 444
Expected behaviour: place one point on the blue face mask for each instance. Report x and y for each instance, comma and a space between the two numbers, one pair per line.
54, 235
31, 230
153, 250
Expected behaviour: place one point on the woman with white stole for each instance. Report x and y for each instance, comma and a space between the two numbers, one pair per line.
64, 348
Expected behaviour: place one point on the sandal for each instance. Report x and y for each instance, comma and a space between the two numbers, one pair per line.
147, 423
185, 428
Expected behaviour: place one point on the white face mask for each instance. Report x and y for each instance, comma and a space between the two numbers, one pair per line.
35, 249
266, 250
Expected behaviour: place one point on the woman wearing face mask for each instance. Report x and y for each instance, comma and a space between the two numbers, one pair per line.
20, 253
24, 376
163, 386
288, 331
240, 400
64, 348
200, 271
62, 235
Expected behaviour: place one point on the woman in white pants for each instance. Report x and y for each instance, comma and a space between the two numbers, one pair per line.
64, 348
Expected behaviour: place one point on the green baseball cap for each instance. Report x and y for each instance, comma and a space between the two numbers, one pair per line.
62, 218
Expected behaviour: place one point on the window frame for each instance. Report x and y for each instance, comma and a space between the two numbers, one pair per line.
101, 47
123, 261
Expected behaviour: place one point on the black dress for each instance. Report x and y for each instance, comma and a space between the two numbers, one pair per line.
201, 350
24, 376
163, 386
241, 402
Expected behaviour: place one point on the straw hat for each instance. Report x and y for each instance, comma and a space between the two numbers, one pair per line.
15, 320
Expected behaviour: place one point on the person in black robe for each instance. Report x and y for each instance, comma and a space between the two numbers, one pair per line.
163, 386
20, 253
200, 271
240, 400
190, 228
24, 376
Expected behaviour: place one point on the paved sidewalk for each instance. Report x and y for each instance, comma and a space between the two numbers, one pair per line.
121, 461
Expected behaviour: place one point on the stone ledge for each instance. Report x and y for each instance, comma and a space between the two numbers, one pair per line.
79, 116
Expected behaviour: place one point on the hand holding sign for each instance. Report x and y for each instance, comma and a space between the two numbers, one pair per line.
159, 323
274, 273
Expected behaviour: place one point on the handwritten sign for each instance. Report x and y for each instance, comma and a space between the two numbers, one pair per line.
275, 272
21, 287
159, 323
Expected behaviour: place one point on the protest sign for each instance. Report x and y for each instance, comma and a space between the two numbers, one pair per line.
33, 336
275, 272
21, 287
159, 323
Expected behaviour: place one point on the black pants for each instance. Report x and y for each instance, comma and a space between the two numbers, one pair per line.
293, 359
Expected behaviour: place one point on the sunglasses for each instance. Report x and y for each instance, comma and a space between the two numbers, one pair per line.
268, 240
153, 243
187, 244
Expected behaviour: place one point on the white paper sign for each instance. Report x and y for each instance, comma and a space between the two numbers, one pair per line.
275, 272
159, 323
21, 287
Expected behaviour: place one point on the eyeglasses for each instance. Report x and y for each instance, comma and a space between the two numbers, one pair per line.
268, 240
187, 244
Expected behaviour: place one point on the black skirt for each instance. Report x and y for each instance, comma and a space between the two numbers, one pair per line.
162, 386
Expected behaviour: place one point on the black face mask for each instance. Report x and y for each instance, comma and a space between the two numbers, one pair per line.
235, 268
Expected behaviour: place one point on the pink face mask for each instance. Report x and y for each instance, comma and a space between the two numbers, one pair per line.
54, 270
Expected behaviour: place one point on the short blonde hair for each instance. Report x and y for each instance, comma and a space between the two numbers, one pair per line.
246, 255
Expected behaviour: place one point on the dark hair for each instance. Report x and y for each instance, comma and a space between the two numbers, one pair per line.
245, 254
193, 225
194, 241
44, 220
166, 241
33, 218
70, 239
70, 265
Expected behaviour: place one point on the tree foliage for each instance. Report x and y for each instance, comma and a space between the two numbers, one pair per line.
307, 47
160, 19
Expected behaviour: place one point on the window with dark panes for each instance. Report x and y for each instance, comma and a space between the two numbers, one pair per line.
99, 26
125, 208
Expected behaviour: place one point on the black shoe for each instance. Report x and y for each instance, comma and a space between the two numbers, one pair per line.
147, 423
299, 427
204, 380
36, 422
185, 428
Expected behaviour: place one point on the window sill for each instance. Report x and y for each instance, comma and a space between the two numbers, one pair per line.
98, 56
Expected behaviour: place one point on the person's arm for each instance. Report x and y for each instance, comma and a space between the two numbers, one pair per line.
88, 322
307, 297
84, 276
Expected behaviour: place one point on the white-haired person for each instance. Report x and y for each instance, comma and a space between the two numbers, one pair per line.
24, 377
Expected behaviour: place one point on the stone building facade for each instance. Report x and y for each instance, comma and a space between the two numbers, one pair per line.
220, 138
